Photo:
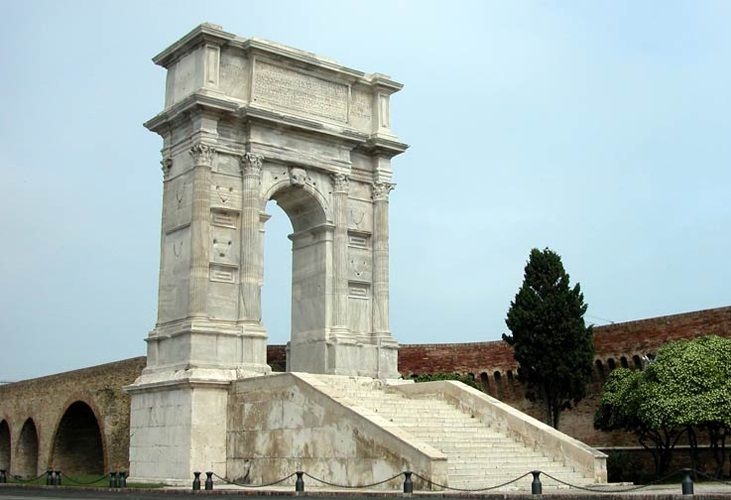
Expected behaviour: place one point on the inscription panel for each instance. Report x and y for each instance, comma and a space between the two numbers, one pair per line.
283, 88
360, 108
234, 71
359, 308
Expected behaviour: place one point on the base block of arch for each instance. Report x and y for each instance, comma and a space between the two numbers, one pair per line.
178, 426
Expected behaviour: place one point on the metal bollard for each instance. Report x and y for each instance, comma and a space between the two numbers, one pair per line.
122, 479
408, 483
536, 488
196, 481
299, 484
687, 483
209, 481
57, 478
49, 477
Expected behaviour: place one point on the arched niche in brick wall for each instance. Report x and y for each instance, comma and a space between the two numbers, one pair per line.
4, 445
25, 461
77, 444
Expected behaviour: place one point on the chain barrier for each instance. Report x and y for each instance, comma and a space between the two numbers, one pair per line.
54, 478
274, 483
84, 483
686, 482
345, 486
18, 479
471, 489
711, 478
536, 486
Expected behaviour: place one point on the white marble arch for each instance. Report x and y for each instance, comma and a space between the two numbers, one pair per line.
246, 121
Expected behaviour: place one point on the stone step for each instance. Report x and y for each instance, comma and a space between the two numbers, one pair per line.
478, 455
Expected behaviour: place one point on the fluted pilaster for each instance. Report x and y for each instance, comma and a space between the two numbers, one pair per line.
203, 157
251, 244
381, 192
341, 185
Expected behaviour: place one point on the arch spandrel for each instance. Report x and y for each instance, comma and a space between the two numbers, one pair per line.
298, 191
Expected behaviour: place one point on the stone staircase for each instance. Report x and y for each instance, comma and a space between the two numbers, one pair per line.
479, 455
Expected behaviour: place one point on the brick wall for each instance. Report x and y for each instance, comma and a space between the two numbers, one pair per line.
45, 400
621, 344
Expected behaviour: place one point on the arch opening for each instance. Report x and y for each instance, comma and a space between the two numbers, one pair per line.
276, 294
637, 362
302, 208
310, 278
4, 446
26, 455
77, 445
600, 368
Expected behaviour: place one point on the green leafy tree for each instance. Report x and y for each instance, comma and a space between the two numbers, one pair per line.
686, 390
551, 343
628, 404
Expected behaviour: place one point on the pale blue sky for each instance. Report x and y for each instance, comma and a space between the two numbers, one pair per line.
599, 129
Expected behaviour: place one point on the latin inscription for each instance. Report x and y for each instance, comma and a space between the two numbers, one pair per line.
361, 106
283, 88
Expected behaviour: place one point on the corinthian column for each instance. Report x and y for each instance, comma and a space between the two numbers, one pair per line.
200, 226
340, 253
380, 258
251, 258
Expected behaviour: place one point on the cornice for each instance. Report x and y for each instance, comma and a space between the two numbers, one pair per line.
386, 146
201, 33
214, 34
194, 101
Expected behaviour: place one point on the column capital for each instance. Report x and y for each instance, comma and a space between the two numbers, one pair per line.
202, 154
341, 182
251, 164
381, 190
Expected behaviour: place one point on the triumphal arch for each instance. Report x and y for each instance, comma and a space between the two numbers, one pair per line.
247, 121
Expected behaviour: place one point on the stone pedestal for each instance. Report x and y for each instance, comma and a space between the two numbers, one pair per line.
177, 427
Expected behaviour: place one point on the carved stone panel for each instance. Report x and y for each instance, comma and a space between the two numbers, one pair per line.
224, 245
361, 105
225, 193
178, 210
360, 216
234, 73
359, 265
359, 308
175, 261
300, 93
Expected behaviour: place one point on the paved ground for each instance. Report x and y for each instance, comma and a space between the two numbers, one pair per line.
706, 491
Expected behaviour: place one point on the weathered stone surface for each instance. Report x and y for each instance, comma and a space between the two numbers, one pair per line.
41, 403
247, 121
282, 423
